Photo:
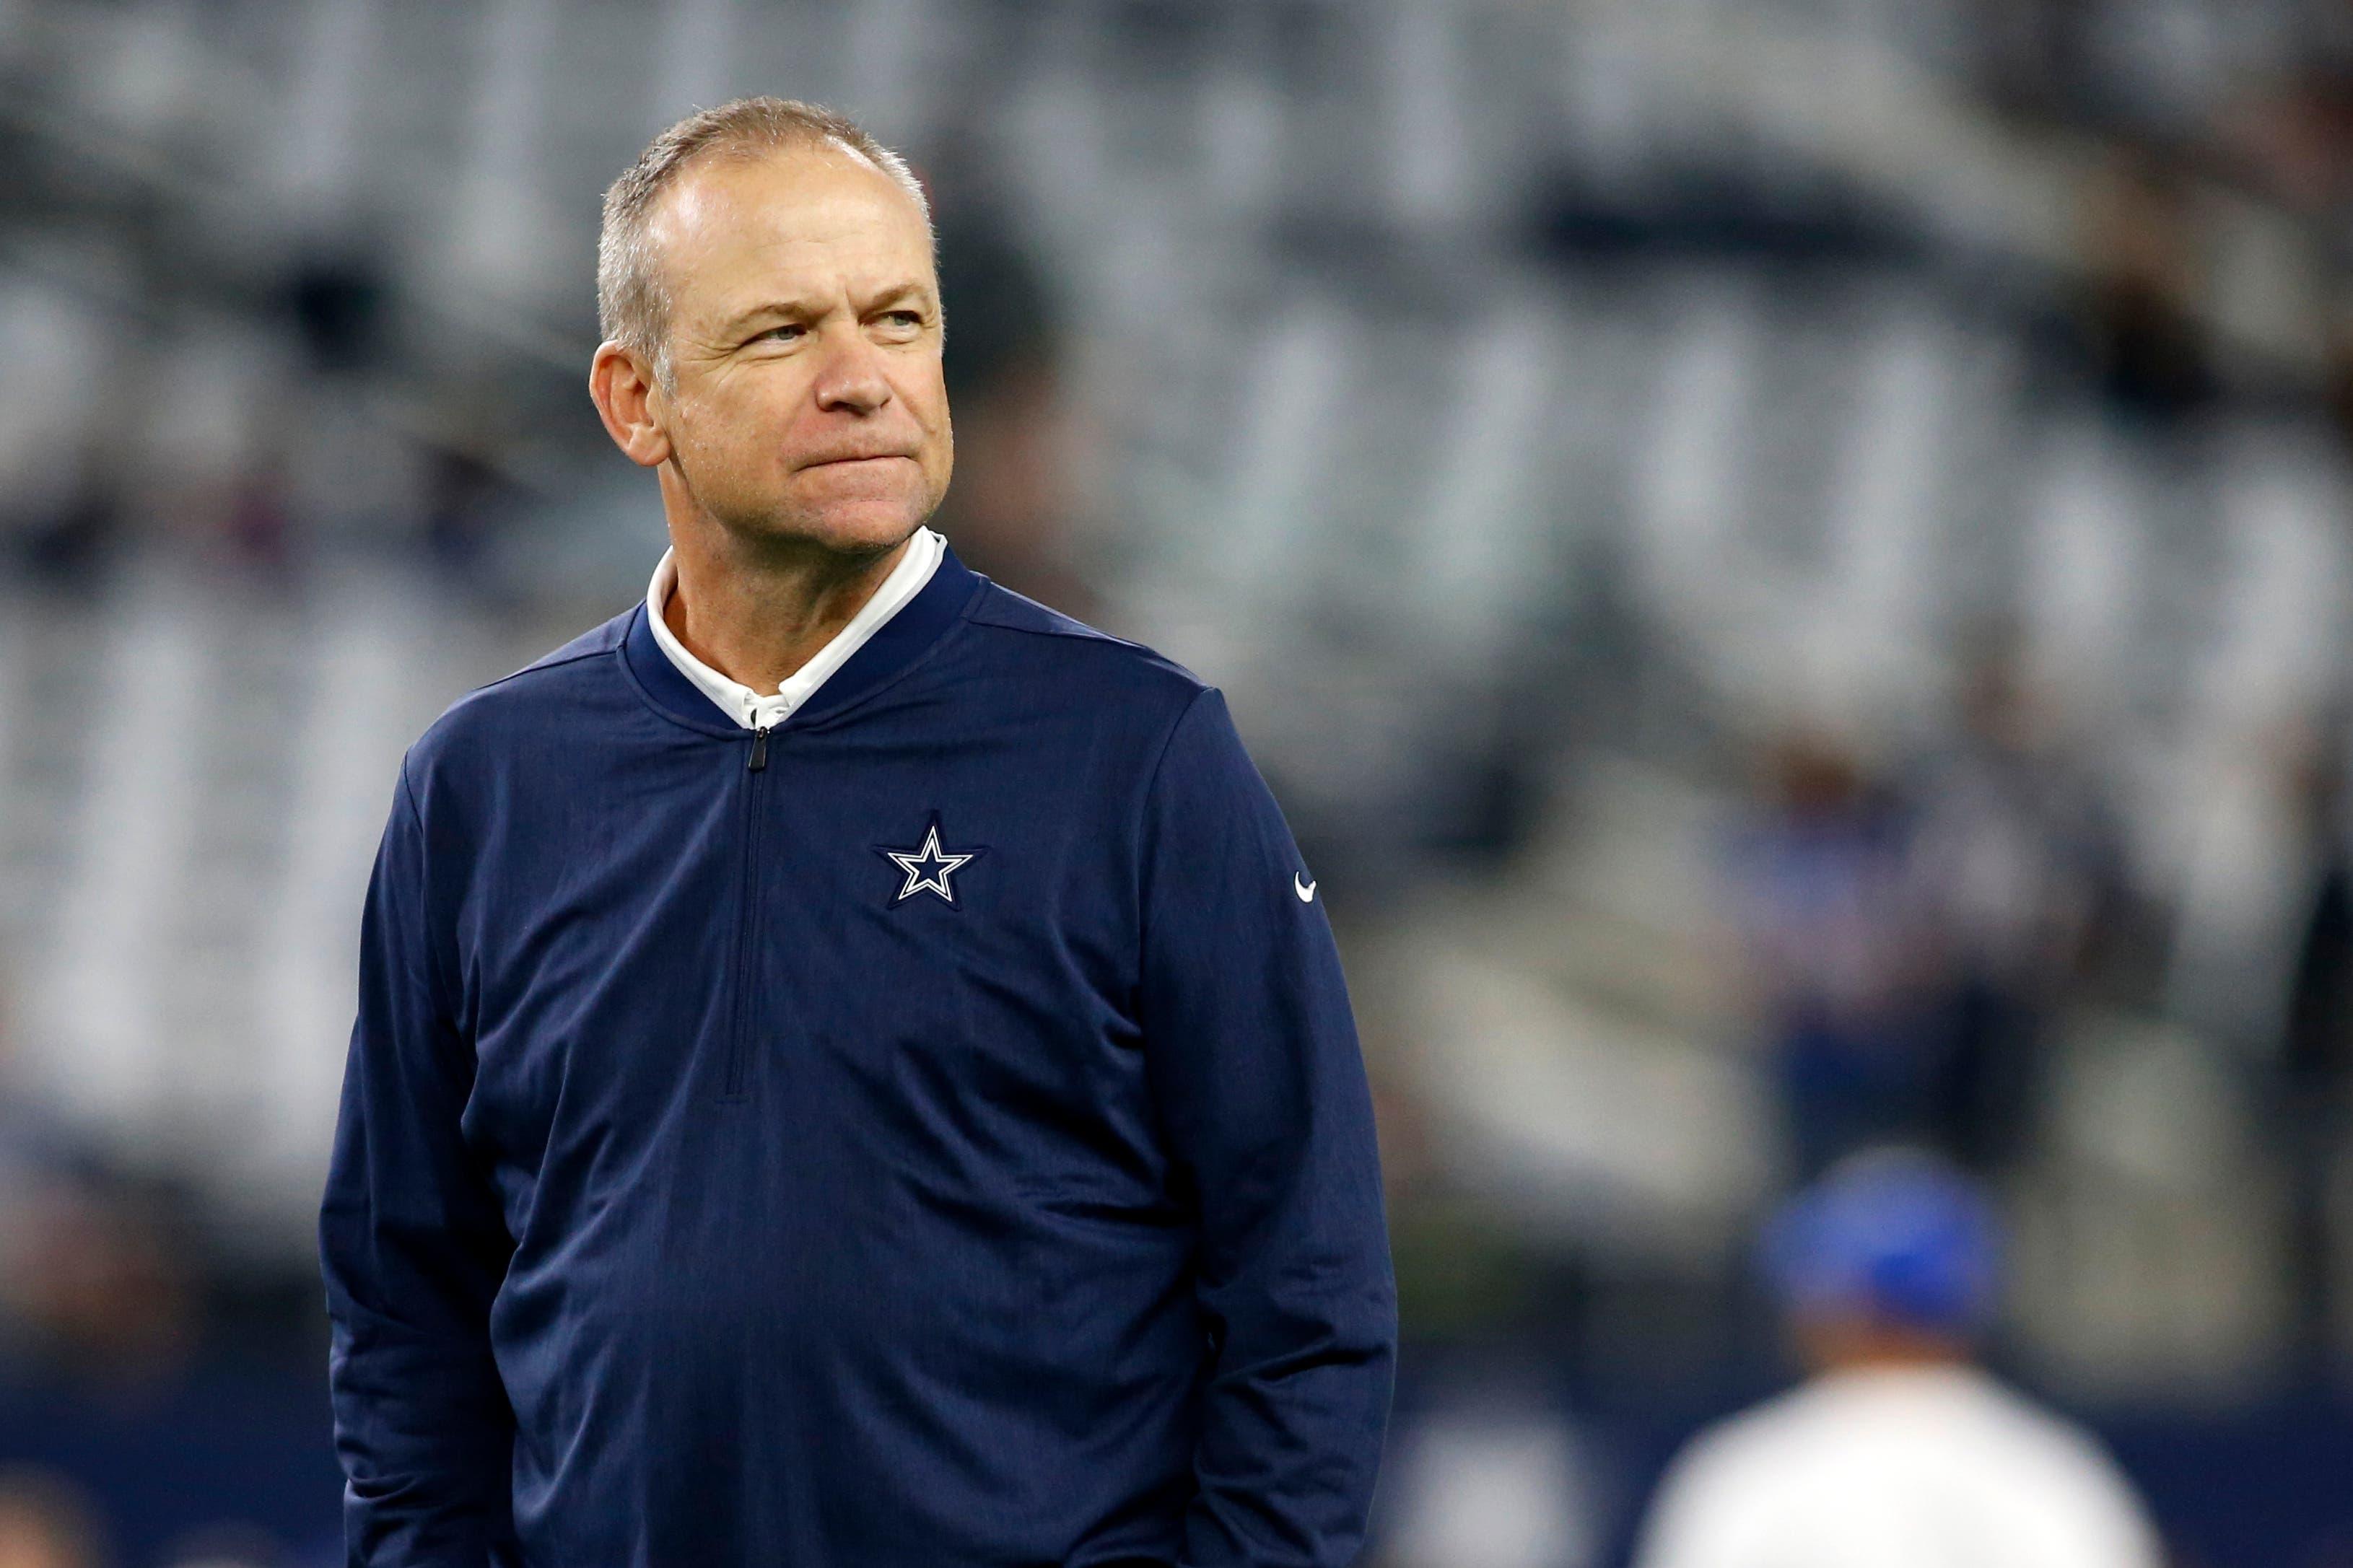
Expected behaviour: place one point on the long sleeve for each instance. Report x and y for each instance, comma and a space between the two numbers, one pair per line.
1263, 1102
413, 1248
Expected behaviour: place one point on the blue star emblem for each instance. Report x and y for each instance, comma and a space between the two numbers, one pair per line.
927, 868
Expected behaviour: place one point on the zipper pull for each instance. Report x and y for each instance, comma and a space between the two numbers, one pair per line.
759, 758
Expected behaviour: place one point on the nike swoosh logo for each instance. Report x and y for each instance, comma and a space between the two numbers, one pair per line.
1306, 890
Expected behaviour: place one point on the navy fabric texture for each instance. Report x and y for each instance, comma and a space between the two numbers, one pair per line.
931, 1132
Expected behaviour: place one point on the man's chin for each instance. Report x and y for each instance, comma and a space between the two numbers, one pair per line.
861, 529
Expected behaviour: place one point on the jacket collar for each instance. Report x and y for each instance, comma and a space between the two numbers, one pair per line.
895, 646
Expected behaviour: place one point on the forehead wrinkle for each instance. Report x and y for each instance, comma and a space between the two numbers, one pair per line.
794, 306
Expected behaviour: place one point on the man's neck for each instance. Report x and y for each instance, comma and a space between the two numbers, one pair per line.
758, 615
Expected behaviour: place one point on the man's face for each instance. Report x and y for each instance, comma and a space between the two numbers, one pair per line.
805, 346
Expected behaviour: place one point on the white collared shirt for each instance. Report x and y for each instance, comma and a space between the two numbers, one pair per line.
750, 709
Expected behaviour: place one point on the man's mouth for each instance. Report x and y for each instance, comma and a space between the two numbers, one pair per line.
859, 458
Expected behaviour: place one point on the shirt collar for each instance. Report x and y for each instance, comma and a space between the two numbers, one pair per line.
754, 709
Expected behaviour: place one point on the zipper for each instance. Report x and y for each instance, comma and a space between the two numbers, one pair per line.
756, 766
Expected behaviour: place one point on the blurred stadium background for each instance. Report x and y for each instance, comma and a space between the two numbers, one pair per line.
1791, 562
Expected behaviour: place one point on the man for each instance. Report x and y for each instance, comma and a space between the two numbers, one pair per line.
1897, 1451
851, 1069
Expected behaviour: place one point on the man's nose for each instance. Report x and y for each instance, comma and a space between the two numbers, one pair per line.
852, 378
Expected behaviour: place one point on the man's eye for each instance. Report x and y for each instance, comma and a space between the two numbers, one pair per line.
905, 318
790, 330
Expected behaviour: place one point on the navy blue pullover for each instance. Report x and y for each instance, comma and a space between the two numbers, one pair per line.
929, 1132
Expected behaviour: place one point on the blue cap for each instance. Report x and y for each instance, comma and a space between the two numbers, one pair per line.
1899, 1237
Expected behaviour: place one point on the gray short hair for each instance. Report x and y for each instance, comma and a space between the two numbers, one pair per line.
633, 301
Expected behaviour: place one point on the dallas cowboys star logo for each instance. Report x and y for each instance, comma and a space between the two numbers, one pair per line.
927, 868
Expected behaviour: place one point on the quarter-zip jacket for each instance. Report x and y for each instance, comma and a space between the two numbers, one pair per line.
930, 1131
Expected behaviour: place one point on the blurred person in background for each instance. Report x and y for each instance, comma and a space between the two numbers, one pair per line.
1011, 512
2315, 1059
92, 1283
46, 1522
850, 1067
2137, 307
2014, 861
96, 1284
1838, 952
1898, 1450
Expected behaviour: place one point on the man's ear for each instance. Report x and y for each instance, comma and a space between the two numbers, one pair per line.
624, 391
